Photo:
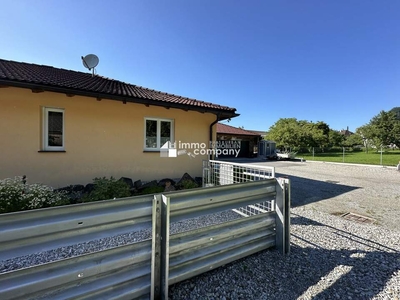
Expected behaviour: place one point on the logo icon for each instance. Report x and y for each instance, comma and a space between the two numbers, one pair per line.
168, 150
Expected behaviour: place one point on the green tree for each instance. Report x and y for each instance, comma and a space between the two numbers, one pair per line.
319, 134
306, 137
336, 139
366, 134
286, 132
396, 110
291, 133
382, 130
353, 140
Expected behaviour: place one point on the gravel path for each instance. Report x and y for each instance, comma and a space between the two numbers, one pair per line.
331, 258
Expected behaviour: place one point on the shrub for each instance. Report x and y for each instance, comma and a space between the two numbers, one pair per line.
105, 189
357, 149
152, 190
188, 184
16, 195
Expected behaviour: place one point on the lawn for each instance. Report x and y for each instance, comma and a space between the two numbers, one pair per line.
389, 158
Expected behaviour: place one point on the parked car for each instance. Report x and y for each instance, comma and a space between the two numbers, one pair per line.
278, 155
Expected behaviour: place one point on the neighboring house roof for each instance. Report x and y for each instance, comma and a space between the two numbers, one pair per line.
346, 132
46, 78
263, 133
226, 129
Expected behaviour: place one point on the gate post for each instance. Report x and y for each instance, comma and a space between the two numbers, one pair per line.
160, 248
282, 220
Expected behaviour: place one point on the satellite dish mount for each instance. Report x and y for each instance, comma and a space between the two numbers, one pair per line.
90, 62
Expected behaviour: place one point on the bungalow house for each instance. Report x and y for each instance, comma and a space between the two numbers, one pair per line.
61, 127
233, 137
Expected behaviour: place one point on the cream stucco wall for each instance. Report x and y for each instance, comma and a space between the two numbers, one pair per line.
102, 138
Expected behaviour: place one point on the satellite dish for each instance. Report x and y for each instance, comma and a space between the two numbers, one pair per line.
90, 62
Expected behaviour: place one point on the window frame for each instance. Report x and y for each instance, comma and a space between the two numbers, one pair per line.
45, 129
158, 133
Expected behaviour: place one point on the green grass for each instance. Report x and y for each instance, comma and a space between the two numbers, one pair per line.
389, 158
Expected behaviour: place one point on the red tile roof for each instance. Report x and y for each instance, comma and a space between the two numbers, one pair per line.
78, 83
226, 129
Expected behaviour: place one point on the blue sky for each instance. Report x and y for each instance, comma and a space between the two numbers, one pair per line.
332, 61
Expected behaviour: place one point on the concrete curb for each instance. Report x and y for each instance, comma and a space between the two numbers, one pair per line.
351, 164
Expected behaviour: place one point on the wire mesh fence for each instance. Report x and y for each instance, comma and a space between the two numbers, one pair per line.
384, 156
222, 173
256, 209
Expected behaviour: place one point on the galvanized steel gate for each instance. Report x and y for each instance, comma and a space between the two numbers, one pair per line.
144, 268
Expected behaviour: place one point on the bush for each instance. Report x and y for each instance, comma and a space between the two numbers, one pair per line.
336, 150
188, 184
152, 190
357, 149
105, 189
16, 195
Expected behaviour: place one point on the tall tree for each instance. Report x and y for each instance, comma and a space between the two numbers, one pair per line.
286, 132
353, 140
396, 110
382, 130
385, 128
335, 138
291, 133
320, 134
366, 134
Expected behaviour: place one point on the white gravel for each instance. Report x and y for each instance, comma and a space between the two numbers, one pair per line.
331, 258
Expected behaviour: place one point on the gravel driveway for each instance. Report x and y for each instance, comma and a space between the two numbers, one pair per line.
331, 258
338, 188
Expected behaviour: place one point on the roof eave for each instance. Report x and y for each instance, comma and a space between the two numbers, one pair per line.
223, 114
244, 134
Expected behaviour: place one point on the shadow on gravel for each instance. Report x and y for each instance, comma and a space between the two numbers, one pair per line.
335, 274
305, 191
340, 273
308, 272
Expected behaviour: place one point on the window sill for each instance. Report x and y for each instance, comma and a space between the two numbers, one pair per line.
45, 151
152, 151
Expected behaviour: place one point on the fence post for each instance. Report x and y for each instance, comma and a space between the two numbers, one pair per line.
343, 153
287, 215
282, 208
160, 248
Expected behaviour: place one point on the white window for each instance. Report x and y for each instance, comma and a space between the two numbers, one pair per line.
157, 132
53, 129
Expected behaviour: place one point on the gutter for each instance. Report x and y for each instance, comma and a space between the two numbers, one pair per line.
211, 134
